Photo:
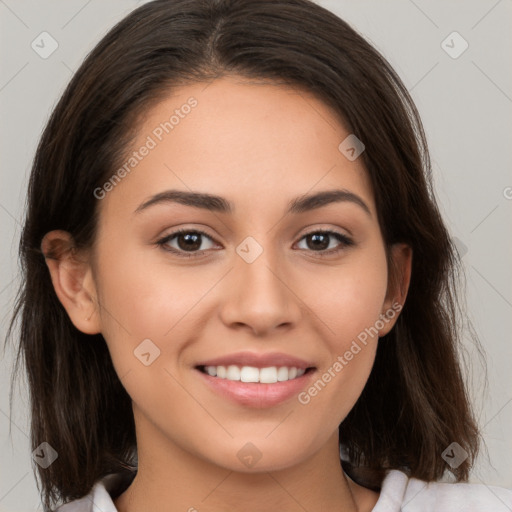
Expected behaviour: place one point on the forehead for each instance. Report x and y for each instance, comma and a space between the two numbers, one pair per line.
255, 144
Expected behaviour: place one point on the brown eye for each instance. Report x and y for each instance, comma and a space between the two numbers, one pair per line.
187, 240
319, 241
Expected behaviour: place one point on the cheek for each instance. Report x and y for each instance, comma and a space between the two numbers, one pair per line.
349, 312
147, 320
146, 297
348, 299
145, 293
139, 301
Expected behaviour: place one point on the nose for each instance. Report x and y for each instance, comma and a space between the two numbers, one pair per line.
259, 296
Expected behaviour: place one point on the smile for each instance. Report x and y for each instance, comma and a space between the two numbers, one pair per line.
254, 387
267, 375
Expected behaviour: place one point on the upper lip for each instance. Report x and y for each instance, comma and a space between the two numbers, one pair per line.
258, 360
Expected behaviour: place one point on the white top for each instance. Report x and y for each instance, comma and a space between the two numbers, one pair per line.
399, 493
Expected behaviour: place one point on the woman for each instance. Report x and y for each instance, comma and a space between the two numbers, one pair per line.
235, 271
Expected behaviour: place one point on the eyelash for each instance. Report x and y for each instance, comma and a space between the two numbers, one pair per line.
345, 242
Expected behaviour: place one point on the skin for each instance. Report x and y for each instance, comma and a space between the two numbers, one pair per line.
259, 146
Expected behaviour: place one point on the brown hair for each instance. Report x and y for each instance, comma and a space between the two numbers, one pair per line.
415, 402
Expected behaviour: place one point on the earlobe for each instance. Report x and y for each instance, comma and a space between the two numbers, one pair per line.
398, 285
72, 280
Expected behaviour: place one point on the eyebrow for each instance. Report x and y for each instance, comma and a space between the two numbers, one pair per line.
219, 204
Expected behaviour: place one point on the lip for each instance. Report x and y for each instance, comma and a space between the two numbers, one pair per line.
258, 360
255, 394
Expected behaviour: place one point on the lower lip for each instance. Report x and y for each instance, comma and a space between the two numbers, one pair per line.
255, 394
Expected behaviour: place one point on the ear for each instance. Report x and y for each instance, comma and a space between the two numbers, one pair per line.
72, 280
398, 285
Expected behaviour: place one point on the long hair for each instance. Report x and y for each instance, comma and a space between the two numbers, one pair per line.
415, 402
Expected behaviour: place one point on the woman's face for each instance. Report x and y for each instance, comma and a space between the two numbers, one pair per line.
264, 287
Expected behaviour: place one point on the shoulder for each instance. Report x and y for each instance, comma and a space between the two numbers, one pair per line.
97, 500
102, 495
399, 491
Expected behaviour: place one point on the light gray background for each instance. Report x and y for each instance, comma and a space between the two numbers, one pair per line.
465, 104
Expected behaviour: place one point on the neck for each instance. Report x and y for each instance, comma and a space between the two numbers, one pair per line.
171, 479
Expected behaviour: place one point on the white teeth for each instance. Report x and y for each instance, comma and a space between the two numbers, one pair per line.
268, 375
249, 374
233, 372
212, 370
282, 374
